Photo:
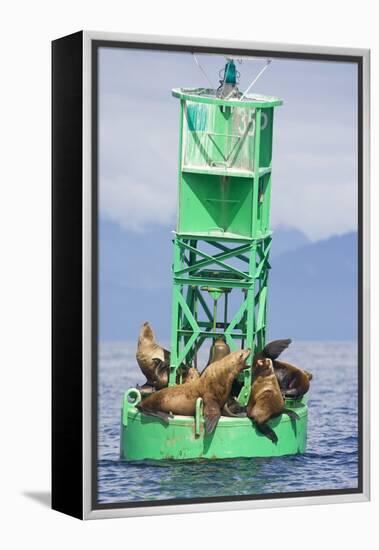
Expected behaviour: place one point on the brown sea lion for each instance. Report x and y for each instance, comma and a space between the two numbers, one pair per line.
213, 386
272, 350
219, 350
148, 353
293, 381
266, 399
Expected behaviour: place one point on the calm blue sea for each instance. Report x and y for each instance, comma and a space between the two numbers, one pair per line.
331, 460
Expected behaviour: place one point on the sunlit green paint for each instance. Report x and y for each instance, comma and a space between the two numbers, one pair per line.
145, 437
199, 95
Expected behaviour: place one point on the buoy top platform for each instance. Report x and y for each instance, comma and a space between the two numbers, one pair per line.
208, 95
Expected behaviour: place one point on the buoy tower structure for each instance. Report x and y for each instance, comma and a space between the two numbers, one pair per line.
220, 272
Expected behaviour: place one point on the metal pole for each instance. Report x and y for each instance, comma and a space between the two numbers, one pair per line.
255, 79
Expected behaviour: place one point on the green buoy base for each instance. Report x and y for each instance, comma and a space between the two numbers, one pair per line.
146, 437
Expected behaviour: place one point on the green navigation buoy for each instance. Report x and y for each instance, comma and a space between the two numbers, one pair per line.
221, 249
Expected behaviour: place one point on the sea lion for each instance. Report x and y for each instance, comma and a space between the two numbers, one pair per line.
148, 353
272, 350
266, 399
213, 386
219, 350
293, 381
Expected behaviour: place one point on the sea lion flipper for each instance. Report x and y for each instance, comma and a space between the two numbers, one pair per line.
210, 422
233, 408
273, 349
212, 413
293, 393
292, 414
228, 411
159, 414
268, 432
145, 389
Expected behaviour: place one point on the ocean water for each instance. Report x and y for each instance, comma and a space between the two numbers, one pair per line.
330, 461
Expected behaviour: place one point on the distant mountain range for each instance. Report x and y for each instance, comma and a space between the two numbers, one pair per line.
286, 239
312, 287
313, 291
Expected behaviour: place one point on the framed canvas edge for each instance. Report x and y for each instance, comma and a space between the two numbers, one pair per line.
364, 54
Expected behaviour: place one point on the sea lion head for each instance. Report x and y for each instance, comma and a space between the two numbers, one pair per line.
146, 332
263, 367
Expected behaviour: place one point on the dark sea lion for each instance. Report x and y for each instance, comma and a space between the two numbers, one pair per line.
293, 381
149, 354
272, 350
213, 386
266, 400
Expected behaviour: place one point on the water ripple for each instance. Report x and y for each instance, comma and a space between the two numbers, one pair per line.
331, 460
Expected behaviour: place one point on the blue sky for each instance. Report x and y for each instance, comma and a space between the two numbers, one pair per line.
314, 183
315, 148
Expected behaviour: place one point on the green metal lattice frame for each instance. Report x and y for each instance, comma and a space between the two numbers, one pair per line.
195, 273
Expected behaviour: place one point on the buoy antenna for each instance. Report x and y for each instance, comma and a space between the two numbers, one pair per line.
268, 61
202, 70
